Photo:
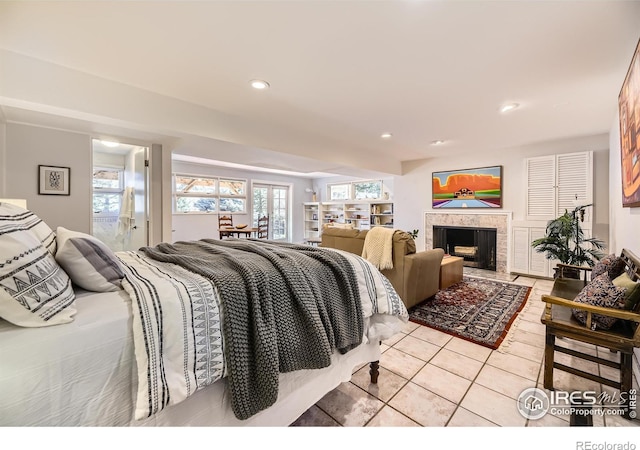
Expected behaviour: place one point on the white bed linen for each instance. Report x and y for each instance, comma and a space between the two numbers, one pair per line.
84, 374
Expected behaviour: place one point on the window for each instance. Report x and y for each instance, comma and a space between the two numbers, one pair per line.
358, 190
209, 194
367, 189
233, 195
108, 185
340, 191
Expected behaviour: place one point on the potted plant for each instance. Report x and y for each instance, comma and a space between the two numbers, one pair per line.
565, 241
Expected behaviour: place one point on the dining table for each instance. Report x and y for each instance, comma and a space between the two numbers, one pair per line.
244, 232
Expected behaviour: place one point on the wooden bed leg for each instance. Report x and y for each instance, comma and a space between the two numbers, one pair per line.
373, 371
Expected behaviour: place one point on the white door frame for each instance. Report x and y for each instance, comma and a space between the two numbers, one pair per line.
289, 186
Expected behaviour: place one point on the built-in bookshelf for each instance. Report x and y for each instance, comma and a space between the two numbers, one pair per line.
381, 214
363, 214
311, 220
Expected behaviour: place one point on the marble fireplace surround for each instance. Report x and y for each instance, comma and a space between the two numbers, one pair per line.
501, 221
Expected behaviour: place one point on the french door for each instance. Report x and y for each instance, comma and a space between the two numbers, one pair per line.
273, 200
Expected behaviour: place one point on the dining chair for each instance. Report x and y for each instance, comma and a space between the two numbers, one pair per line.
263, 227
224, 222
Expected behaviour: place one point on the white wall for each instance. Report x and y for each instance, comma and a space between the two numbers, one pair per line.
197, 226
29, 146
412, 191
108, 160
3, 162
624, 222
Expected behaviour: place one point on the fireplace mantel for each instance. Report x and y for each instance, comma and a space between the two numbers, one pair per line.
500, 220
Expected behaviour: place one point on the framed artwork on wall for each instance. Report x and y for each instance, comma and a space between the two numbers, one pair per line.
54, 180
468, 188
629, 109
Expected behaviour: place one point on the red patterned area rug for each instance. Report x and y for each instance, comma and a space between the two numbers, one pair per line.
476, 309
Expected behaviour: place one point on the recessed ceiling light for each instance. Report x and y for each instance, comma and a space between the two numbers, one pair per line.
509, 107
386, 135
110, 143
259, 84
437, 142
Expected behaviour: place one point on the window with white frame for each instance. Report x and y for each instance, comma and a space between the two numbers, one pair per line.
341, 191
355, 190
195, 194
108, 186
367, 189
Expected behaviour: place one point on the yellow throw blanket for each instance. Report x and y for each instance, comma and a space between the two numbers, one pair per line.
378, 247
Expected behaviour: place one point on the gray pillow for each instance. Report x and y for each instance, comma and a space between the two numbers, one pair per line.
88, 261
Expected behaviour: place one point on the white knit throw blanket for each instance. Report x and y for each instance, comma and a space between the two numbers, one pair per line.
378, 246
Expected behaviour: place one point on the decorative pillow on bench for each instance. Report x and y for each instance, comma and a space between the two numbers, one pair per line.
611, 264
632, 290
600, 292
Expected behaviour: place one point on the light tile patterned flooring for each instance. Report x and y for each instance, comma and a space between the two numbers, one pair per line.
429, 378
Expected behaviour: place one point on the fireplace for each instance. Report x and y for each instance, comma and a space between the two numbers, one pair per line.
500, 220
477, 246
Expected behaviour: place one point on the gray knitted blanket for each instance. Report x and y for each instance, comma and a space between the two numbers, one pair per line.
285, 307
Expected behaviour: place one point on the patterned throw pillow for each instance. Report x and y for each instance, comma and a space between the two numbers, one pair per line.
600, 292
632, 290
88, 261
22, 219
34, 290
612, 264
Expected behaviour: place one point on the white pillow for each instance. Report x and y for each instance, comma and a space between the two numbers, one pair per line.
24, 219
88, 261
34, 290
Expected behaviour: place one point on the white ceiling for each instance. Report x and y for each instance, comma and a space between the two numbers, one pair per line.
341, 73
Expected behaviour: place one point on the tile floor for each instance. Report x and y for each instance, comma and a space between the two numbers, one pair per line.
429, 378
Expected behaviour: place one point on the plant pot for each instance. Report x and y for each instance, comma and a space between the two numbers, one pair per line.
567, 272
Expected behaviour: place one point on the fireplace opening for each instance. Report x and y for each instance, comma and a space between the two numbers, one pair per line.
477, 246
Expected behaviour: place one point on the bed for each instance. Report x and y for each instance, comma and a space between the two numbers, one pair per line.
145, 352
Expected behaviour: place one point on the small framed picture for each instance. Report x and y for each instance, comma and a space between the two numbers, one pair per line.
53, 180
314, 217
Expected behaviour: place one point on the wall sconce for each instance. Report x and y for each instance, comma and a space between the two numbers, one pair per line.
314, 198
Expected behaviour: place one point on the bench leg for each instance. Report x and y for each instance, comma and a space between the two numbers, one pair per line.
550, 341
626, 374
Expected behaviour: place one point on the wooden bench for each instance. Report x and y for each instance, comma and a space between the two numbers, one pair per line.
621, 338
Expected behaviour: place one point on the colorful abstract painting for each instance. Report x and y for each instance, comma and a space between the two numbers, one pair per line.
468, 188
629, 108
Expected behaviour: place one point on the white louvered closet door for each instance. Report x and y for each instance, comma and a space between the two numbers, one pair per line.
538, 263
541, 181
554, 182
521, 245
574, 181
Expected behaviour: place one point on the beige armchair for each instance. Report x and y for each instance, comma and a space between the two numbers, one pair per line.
415, 276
